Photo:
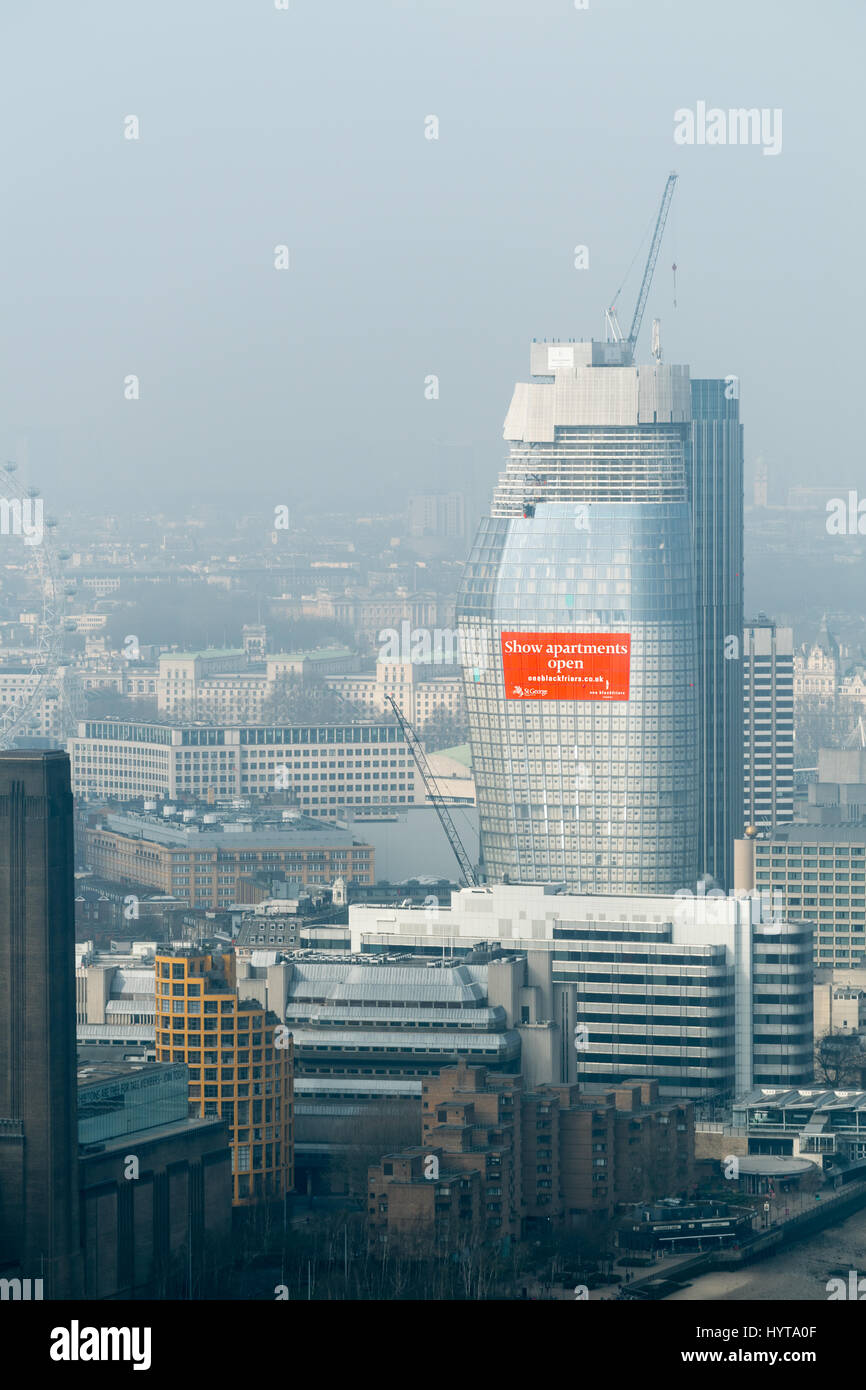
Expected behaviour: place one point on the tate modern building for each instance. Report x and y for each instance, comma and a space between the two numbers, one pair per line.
604, 707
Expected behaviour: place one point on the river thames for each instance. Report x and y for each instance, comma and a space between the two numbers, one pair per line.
799, 1273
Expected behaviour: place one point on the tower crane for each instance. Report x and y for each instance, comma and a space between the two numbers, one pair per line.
435, 795
614, 329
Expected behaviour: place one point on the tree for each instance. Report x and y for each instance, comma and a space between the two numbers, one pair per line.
302, 634
194, 614
839, 1059
190, 615
294, 700
362, 1140
444, 730
821, 725
107, 704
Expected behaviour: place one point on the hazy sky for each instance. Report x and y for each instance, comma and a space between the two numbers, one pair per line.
408, 256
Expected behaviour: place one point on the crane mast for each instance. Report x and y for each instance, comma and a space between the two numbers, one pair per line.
651, 259
435, 795
615, 333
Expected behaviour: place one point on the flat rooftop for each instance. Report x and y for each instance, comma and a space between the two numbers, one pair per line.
99, 1073
816, 835
254, 832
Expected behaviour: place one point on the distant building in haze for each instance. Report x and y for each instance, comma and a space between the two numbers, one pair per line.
768, 724
437, 514
818, 669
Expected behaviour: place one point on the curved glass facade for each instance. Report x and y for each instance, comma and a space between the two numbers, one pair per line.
600, 795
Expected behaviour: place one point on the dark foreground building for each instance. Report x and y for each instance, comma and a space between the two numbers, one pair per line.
147, 1210
39, 1205
156, 1185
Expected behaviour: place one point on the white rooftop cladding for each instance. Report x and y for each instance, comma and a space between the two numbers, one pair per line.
526, 913
342, 984
505, 1043
348, 1086
354, 1012
815, 1100
135, 983
131, 1007
114, 1032
585, 395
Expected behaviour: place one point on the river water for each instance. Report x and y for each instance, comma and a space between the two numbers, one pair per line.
414, 845
799, 1273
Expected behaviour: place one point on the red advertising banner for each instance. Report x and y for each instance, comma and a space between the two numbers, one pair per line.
566, 665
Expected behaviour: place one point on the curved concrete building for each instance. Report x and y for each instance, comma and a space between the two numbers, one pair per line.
579, 632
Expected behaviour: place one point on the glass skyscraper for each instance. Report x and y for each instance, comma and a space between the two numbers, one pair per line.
580, 634
716, 498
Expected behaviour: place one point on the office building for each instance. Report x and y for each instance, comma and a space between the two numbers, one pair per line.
579, 632
116, 675
240, 1067
837, 796
818, 671
203, 858
768, 724
419, 692
440, 514
761, 485
715, 473
709, 995
210, 684
39, 1206
368, 1031
839, 1007
367, 612
324, 769
57, 698
365, 1030
231, 686
366, 1018
817, 874
824, 1127
115, 987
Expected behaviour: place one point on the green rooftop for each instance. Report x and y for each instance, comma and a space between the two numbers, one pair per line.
461, 753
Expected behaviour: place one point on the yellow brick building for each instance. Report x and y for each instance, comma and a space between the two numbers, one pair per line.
240, 1063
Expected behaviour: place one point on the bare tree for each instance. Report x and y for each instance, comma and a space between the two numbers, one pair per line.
364, 1138
839, 1059
294, 700
818, 724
